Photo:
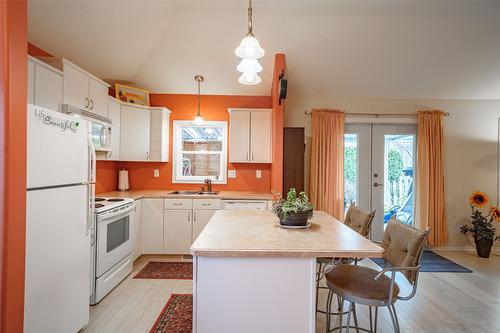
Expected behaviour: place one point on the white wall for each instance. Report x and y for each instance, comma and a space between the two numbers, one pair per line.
471, 133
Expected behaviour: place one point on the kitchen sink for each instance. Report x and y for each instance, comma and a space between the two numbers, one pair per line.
193, 193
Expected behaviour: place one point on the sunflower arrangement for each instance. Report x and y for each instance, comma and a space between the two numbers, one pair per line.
481, 226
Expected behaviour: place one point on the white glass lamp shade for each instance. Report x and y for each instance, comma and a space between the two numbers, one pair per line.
249, 65
249, 49
198, 120
249, 78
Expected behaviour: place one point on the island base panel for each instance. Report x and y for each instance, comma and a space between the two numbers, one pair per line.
248, 295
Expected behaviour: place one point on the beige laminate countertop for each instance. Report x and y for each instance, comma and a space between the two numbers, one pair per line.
238, 233
225, 195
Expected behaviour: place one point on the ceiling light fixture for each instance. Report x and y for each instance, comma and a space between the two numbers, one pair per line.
198, 120
249, 51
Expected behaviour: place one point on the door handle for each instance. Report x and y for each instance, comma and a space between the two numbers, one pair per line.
86, 102
147, 155
377, 184
194, 216
91, 104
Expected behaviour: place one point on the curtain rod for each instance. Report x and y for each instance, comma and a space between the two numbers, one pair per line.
379, 115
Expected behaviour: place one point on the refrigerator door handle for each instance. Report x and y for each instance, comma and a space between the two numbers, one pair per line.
91, 208
92, 161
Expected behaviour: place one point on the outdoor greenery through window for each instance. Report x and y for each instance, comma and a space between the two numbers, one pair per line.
350, 170
200, 152
399, 167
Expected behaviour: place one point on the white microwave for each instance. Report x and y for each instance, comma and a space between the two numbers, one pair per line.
100, 129
100, 134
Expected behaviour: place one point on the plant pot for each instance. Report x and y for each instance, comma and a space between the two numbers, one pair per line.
483, 247
298, 219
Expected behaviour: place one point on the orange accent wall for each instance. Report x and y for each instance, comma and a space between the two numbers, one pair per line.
278, 123
13, 97
183, 107
35, 51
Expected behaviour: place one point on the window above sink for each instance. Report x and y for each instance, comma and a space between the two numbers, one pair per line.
199, 152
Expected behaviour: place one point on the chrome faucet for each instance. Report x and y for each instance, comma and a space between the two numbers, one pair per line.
208, 182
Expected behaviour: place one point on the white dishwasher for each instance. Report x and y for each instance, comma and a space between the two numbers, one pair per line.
245, 204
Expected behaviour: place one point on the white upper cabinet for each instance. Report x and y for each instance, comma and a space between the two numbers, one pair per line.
250, 136
135, 134
114, 113
45, 85
239, 136
160, 122
83, 90
260, 137
98, 94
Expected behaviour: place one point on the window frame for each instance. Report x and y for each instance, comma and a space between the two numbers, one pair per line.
177, 177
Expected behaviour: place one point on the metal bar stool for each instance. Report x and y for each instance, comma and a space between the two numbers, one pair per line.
360, 221
403, 246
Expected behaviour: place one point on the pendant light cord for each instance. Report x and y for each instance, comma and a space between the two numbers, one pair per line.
199, 79
250, 23
198, 98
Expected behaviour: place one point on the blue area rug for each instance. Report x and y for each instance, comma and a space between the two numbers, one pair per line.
433, 262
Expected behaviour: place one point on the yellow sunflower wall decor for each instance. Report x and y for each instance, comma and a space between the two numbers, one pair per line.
479, 199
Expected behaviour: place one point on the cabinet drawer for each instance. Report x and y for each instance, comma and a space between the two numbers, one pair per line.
207, 204
178, 204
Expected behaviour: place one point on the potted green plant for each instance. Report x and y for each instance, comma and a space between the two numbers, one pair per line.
295, 210
481, 226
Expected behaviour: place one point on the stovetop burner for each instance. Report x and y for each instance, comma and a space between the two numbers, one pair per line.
99, 199
116, 200
99, 205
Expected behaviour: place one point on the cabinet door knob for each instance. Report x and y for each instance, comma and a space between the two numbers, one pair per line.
86, 102
147, 155
194, 216
91, 104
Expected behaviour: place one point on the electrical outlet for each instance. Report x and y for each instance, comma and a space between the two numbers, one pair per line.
231, 174
156, 173
258, 173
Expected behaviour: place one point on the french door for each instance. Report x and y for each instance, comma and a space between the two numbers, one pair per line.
379, 170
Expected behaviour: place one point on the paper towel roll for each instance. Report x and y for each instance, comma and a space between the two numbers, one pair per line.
123, 180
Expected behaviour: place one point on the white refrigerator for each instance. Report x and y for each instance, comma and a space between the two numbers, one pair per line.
61, 177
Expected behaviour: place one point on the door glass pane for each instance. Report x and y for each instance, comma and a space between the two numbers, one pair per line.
117, 233
398, 179
350, 170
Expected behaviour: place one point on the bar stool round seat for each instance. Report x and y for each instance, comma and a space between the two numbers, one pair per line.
357, 284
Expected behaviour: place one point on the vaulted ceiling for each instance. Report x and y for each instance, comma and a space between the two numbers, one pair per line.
386, 49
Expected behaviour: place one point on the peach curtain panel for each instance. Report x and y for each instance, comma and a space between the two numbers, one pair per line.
430, 176
326, 172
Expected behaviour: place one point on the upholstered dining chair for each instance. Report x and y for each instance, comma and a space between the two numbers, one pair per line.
358, 220
403, 246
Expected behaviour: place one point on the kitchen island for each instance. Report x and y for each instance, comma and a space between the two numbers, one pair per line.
251, 275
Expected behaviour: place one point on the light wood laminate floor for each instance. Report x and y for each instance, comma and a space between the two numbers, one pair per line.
445, 302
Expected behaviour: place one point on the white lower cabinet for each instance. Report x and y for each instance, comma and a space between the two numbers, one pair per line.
138, 229
200, 220
170, 226
152, 226
177, 230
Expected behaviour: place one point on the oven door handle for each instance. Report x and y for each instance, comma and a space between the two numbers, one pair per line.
123, 212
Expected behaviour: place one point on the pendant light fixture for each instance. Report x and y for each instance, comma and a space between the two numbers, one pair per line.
198, 120
249, 51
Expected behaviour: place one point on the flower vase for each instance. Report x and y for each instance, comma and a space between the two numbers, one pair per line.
483, 247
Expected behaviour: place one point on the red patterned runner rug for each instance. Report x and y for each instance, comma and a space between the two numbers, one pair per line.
166, 270
176, 316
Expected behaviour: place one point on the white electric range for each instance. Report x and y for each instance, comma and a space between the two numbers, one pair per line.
112, 244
